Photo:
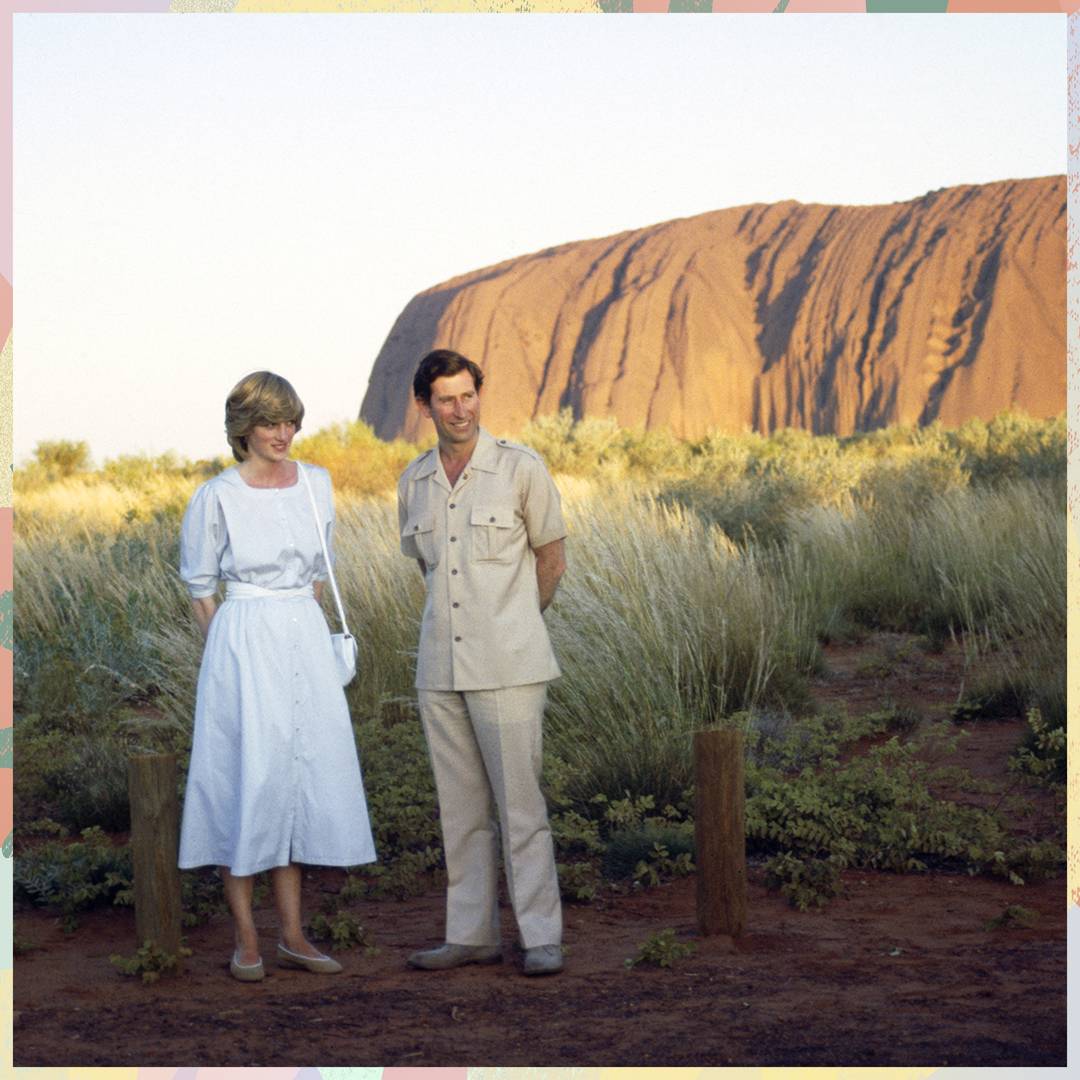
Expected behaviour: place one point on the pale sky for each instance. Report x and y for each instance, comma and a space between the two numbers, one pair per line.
201, 196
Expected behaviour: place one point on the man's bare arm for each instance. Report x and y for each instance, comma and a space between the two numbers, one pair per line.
550, 567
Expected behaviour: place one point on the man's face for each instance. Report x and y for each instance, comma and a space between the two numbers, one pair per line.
454, 408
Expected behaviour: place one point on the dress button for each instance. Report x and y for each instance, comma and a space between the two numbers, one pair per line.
455, 604
491, 519
453, 571
457, 639
453, 506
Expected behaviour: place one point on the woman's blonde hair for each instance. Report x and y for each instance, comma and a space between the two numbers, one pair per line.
259, 398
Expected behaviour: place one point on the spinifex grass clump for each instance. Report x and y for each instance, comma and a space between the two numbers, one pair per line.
663, 626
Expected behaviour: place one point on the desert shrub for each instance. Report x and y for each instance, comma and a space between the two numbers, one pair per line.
358, 461
340, 929
75, 875
400, 787
74, 770
597, 446
202, 896
1012, 446
877, 811
654, 850
662, 949
149, 962
1042, 753
401, 874
806, 882
579, 882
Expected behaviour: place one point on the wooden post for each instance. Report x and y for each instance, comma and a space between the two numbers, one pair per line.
154, 843
720, 832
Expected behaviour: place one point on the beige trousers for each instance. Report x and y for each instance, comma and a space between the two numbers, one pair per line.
485, 748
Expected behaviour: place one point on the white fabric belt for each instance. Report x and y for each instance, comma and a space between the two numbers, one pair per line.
245, 590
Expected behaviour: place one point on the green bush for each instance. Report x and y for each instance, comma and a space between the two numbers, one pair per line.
340, 929
150, 961
875, 811
662, 949
73, 876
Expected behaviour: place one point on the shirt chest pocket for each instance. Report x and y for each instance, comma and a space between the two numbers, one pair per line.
491, 532
418, 538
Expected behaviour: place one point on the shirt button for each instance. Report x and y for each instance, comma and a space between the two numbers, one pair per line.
453, 571
453, 506
491, 519
455, 604
457, 639
452, 539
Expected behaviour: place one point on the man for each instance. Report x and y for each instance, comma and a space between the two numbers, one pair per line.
481, 516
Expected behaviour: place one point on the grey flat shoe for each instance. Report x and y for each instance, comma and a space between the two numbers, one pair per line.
452, 956
246, 972
543, 960
317, 965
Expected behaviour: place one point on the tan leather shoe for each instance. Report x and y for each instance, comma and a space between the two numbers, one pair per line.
317, 965
246, 972
543, 960
452, 956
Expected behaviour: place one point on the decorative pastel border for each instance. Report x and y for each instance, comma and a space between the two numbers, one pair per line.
1069, 7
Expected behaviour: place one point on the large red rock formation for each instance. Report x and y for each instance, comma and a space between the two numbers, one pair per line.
829, 318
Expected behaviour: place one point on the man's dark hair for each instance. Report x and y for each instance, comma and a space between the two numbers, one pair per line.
438, 363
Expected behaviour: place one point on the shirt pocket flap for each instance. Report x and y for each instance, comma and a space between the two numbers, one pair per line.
418, 524
495, 517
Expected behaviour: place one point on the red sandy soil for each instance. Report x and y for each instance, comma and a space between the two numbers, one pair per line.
901, 970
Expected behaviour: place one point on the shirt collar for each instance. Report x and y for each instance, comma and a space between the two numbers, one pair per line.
484, 454
484, 457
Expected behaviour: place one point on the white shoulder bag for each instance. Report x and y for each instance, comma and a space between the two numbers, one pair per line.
344, 643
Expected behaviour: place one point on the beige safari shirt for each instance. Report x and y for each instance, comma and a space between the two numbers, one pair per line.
482, 628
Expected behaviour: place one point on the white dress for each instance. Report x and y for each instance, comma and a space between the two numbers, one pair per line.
274, 777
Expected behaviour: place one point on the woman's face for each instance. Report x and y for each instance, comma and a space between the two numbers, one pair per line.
270, 442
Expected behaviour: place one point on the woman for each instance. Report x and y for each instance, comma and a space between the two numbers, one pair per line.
274, 779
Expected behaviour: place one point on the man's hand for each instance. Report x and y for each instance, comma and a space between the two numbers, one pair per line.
550, 567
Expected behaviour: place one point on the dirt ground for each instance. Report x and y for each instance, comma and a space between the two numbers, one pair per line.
901, 970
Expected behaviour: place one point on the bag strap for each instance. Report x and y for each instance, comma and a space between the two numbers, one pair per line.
326, 554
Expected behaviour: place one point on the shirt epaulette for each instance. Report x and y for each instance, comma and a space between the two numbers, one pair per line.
417, 463
506, 444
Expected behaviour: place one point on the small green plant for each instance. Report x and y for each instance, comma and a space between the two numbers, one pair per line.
806, 882
662, 949
1042, 755
575, 833
660, 865
1014, 917
579, 881
341, 929
150, 961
